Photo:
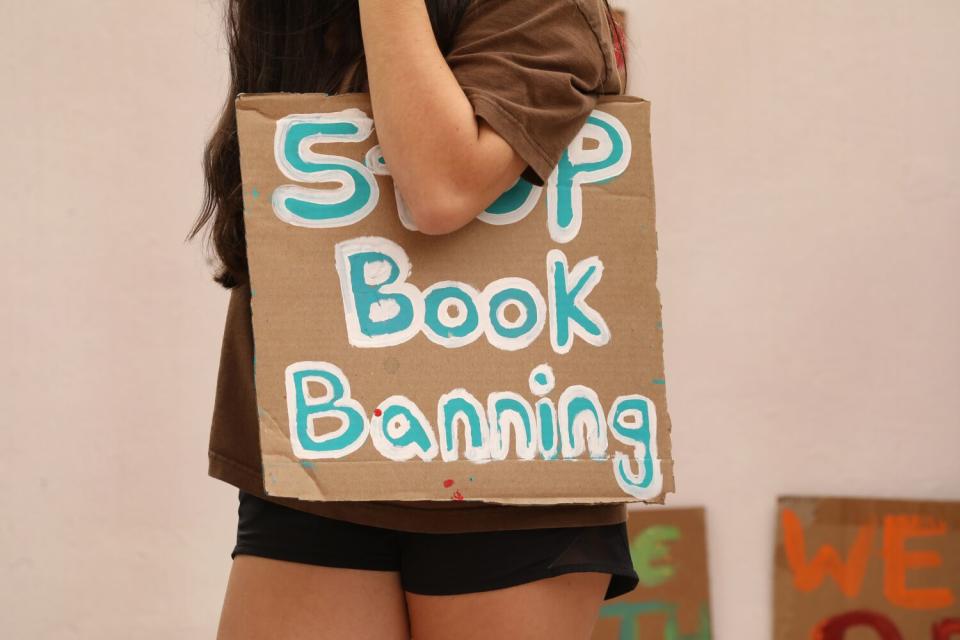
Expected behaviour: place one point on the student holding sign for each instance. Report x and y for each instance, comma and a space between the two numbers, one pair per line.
468, 95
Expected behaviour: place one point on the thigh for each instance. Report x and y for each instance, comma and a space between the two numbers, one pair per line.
536, 583
299, 575
563, 607
271, 599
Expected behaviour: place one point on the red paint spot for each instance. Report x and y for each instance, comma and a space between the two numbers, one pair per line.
457, 495
377, 412
448, 483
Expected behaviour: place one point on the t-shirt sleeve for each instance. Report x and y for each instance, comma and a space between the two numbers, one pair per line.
532, 70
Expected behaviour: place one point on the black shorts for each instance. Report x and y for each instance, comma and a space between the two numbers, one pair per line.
435, 563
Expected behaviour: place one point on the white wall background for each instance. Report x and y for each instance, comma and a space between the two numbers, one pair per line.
806, 158
809, 214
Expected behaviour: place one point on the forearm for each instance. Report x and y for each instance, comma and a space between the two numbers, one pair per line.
447, 166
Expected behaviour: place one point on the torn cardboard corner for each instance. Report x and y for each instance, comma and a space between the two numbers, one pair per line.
887, 569
518, 360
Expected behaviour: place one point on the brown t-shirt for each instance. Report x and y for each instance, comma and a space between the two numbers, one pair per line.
532, 69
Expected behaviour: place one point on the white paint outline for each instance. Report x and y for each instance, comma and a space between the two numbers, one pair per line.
578, 156
518, 214
622, 461
525, 340
551, 453
409, 451
318, 196
372, 158
596, 437
580, 300
478, 302
537, 388
347, 248
450, 451
502, 424
443, 313
346, 401
522, 314
340, 194
356, 117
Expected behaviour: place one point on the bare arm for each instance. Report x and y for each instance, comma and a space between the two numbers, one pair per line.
447, 164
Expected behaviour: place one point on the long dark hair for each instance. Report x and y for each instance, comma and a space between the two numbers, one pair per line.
286, 45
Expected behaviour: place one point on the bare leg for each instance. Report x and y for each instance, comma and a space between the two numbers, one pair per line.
560, 608
276, 600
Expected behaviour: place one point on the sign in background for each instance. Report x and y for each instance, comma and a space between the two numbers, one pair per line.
517, 360
847, 569
672, 601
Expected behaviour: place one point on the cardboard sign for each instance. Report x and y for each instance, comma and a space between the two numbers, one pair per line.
873, 569
519, 358
672, 601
